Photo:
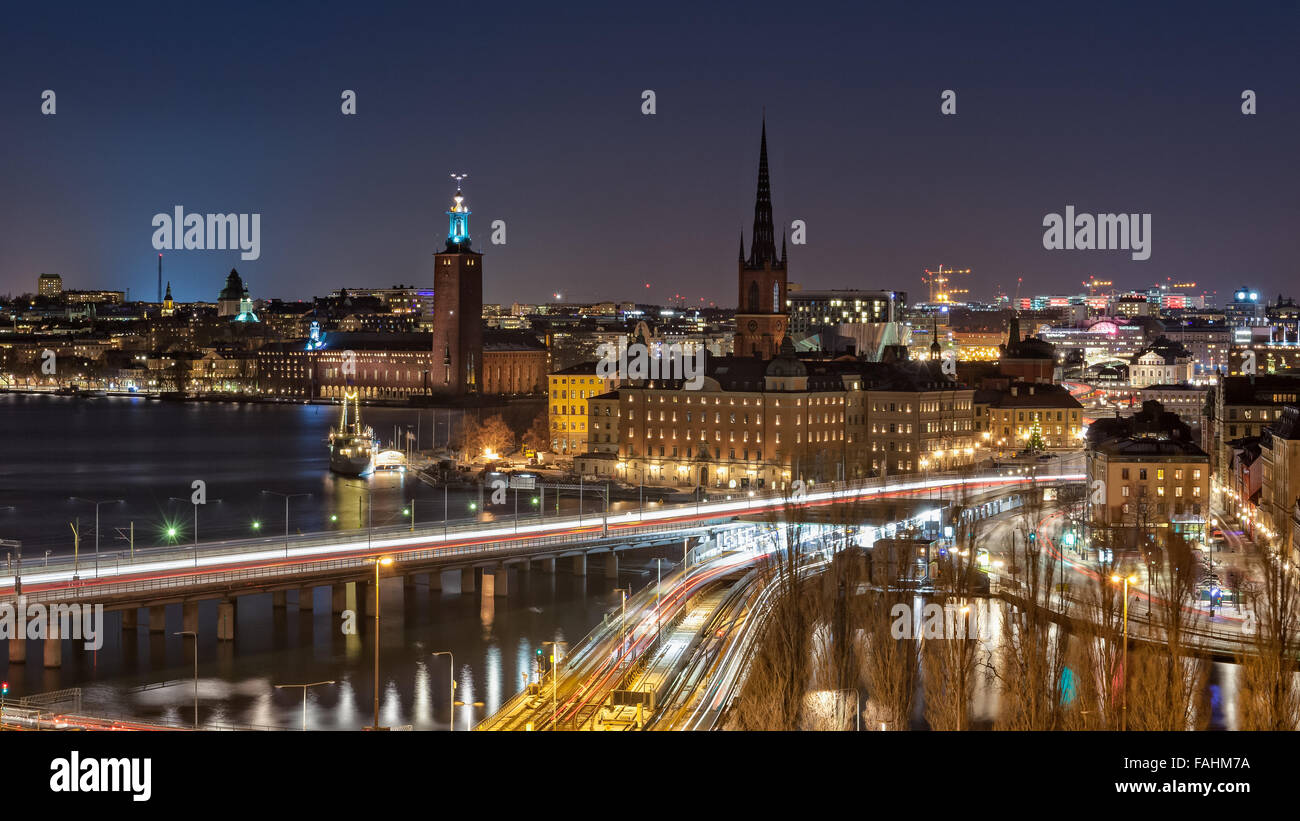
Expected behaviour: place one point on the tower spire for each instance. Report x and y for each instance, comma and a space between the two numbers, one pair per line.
458, 219
764, 239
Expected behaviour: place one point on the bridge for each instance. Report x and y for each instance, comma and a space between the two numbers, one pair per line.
154, 578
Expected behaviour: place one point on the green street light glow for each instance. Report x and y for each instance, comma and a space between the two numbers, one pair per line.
257, 525
334, 517
406, 511
473, 505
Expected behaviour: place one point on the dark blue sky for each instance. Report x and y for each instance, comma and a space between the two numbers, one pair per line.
235, 108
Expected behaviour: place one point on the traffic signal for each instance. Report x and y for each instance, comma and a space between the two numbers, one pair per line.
1033, 537
4, 688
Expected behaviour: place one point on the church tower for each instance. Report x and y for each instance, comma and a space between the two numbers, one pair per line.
761, 316
457, 355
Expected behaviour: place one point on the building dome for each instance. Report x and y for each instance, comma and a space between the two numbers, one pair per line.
786, 364
234, 287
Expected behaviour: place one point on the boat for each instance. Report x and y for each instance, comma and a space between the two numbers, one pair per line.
352, 444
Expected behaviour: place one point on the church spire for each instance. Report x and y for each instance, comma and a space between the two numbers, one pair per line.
764, 240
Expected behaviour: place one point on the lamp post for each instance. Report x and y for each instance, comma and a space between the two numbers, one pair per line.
1123, 725
370, 513
96, 504
18, 568
659, 582
622, 630
196, 523
384, 561
451, 690
555, 682
195, 636
304, 697
286, 497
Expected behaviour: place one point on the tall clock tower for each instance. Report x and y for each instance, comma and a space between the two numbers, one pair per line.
761, 316
456, 364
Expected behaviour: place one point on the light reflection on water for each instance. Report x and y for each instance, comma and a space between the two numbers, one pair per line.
150, 676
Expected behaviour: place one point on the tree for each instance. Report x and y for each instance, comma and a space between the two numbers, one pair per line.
491, 435
1269, 697
538, 437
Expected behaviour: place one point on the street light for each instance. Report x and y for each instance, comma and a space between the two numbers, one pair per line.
451, 691
172, 531
370, 511
286, 497
622, 630
1131, 579
385, 561
196, 672
96, 504
555, 682
304, 697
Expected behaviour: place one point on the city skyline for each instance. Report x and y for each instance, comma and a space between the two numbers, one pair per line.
600, 199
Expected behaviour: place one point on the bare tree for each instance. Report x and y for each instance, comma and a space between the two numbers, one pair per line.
1030, 662
1269, 698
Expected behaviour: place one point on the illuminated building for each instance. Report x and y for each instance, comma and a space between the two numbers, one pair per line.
757, 424
457, 307
1280, 485
1030, 359
1155, 480
569, 391
49, 285
814, 311
1013, 415
234, 302
168, 305
1163, 362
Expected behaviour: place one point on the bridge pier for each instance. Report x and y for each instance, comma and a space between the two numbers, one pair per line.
371, 592
280, 598
338, 598
580, 564
190, 616
501, 581
435, 581
467, 579
489, 587
158, 618
305, 596
225, 620
130, 618
18, 650
53, 645
548, 564
611, 565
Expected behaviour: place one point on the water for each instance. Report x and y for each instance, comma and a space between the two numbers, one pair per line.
145, 452
149, 453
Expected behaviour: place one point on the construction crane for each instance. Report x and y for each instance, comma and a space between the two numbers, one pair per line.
940, 293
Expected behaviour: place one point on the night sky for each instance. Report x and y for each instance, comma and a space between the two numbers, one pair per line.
233, 107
